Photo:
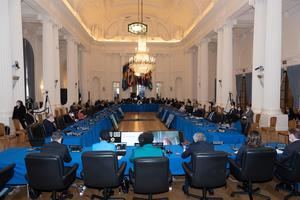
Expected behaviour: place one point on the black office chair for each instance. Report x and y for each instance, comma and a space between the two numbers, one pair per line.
46, 173
100, 170
257, 166
209, 171
36, 134
289, 175
6, 174
60, 122
151, 176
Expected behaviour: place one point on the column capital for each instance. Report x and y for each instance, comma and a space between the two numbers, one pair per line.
218, 29
203, 41
253, 3
230, 23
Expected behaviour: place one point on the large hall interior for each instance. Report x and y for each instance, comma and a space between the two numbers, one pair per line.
153, 99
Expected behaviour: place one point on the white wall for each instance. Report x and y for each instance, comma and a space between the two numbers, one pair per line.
291, 36
106, 65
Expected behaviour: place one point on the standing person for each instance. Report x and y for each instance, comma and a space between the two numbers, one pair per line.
247, 120
19, 113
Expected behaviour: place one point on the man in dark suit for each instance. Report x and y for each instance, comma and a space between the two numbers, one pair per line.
212, 115
198, 146
286, 158
232, 114
293, 147
49, 125
247, 120
57, 148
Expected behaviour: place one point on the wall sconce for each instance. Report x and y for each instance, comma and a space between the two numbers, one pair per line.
42, 87
16, 65
220, 82
76, 85
55, 83
15, 79
171, 88
103, 88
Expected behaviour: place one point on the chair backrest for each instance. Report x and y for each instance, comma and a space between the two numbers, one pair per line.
257, 118
100, 169
209, 169
292, 124
2, 129
57, 112
151, 175
273, 121
294, 176
36, 134
44, 171
258, 164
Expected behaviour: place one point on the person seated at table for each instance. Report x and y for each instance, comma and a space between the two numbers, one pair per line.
146, 149
49, 125
253, 141
198, 146
182, 108
104, 144
292, 147
212, 115
247, 120
232, 115
286, 158
81, 115
56, 147
198, 111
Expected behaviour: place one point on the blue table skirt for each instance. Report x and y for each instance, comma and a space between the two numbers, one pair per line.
140, 108
88, 137
189, 126
17, 155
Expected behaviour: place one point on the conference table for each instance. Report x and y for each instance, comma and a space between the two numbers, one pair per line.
151, 107
214, 133
17, 155
86, 133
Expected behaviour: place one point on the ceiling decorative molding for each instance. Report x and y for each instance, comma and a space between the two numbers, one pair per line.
169, 21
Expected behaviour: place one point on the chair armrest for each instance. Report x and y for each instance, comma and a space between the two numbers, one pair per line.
8, 168
233, 163
235, 169
187, 169
131, 176
71, 171
6, 174
121, 169
282, 166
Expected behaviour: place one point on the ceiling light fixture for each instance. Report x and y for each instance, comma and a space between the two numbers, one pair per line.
142, 63
138, 28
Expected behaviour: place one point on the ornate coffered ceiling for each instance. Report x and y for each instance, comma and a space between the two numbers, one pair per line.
168, 20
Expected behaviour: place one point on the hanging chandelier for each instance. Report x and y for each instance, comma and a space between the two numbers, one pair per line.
142, 63
138, 28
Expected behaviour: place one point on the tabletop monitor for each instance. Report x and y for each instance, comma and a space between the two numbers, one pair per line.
165, 137
114, 122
